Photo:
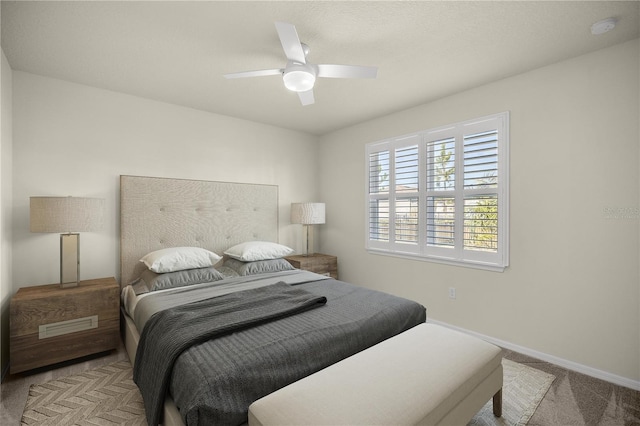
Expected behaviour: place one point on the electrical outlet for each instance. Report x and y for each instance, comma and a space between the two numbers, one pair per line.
452, 292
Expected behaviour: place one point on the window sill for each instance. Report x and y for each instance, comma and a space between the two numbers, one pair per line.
444, 261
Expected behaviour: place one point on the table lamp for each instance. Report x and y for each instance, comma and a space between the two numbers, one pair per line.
308, 214
69, 216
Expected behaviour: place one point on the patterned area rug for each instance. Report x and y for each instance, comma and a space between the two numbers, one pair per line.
523, 388
103, 396
108, 396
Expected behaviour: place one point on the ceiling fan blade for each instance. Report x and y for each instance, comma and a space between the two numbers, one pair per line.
258, 73
347, 71
290, 42
306, 98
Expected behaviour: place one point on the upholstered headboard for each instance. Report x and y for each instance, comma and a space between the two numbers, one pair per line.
157, 213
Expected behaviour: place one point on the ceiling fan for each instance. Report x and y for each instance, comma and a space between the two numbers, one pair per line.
299, 75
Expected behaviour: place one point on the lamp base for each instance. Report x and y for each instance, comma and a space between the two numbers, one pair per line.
309, 243
69, 260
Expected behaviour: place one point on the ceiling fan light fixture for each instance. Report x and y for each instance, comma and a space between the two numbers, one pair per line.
299, 78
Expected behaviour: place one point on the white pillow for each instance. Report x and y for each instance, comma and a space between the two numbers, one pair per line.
179, 258
253, 251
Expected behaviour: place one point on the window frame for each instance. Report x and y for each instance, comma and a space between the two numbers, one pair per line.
457, 255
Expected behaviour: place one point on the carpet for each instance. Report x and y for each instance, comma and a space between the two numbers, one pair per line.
523, 388
107, 396
103, 396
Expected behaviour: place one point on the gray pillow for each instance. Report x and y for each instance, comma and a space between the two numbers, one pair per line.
151, 281
258, 267
227, 271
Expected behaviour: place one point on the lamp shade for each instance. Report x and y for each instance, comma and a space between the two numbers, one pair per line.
307, 213
66, 214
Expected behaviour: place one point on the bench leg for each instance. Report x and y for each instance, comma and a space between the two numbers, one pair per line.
497, 404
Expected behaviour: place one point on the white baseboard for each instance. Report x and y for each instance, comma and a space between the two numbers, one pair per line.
569, 365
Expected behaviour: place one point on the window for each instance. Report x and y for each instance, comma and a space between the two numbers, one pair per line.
442, 194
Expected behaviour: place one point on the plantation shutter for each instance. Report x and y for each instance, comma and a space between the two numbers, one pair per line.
379, 181
406, 195
442, 194
441, 182
481, 160
480, 223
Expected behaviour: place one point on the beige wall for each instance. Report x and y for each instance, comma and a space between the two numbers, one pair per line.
6, 139
572, 289
76, 140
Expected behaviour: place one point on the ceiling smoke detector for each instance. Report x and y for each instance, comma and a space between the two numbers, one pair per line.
603, 26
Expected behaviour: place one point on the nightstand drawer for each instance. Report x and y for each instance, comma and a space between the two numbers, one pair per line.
50, 324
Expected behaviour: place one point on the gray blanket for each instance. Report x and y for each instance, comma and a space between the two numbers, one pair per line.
213, 383
168, 333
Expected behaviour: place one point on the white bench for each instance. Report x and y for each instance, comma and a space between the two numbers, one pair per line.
427, 375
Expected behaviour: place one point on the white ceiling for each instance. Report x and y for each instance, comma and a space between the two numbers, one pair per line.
178, 51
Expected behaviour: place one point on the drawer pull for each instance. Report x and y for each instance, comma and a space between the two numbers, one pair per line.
66, 327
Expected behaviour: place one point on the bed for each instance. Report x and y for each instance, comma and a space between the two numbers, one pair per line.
209, 349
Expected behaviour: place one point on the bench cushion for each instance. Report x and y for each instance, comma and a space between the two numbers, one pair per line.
417, 377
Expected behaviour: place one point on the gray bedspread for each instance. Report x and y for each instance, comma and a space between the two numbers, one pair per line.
214, 382
169, 332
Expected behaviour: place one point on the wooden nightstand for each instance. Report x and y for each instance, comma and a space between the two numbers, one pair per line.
50, 324
322, 264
